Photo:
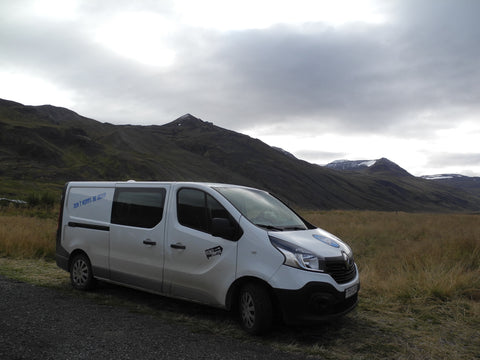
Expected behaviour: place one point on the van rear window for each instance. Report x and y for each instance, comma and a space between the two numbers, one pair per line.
139, 207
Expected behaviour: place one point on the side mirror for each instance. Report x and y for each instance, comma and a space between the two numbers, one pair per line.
222, 227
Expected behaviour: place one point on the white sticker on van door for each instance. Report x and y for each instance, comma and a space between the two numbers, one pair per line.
217, 250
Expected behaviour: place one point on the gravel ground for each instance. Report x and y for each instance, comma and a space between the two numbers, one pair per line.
42, 323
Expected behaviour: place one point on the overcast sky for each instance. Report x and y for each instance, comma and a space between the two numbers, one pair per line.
324, 80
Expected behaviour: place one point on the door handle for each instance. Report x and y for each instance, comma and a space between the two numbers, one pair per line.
178, 246
149, 242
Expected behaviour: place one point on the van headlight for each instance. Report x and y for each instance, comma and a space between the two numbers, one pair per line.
297, 256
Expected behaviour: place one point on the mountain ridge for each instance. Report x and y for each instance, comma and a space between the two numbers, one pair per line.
368, 166
46, 146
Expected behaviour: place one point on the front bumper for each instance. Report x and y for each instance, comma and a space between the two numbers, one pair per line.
315, 302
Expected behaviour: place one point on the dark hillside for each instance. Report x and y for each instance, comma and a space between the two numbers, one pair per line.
466, 183
386, 167
45, 146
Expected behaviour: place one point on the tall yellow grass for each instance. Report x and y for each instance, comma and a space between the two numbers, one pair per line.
27, 237
401, 255
411, 255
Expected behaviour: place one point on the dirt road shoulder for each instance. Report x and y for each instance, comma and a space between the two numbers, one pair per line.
38, 322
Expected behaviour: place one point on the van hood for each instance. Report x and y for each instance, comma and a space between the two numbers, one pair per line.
317, 241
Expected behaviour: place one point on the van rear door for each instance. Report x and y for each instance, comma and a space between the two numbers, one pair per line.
137, 235
85, 224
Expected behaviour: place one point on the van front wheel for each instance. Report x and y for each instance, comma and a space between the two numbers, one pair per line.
81, 275
255, 307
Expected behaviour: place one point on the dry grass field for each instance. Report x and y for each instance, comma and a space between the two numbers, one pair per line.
408, 256
27, 237
420, 296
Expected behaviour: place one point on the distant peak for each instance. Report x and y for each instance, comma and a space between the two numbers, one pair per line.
351, 164
372, 166
190, 121
385, 165
187, 116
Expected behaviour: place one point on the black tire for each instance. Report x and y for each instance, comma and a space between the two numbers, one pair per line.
81, 275
255, 307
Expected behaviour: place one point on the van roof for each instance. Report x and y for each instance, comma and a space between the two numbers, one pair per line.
114, 183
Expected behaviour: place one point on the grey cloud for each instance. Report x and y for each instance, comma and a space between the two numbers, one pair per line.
440, 40
440, 160
359, 78
107, 87
318, 154
109, 7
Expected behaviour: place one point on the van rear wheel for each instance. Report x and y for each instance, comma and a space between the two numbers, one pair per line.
256, 311
81, 275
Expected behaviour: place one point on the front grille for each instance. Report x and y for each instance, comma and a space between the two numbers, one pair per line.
340, 271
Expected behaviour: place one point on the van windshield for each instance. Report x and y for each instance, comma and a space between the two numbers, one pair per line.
262, 209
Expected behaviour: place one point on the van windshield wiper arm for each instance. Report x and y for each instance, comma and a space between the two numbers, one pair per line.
294, 228
270, 227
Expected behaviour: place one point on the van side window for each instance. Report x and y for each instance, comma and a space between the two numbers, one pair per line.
196, 209
139, 207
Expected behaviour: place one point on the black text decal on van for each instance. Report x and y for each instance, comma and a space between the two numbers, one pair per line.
217, 250
89, 200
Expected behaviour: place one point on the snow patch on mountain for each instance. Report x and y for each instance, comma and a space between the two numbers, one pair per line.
442, 176
368, 163
350, 164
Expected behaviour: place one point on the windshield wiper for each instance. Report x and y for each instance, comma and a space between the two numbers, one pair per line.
294, 228
270, 227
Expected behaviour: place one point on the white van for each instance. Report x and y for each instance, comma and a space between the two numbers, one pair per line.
227, 246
